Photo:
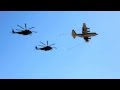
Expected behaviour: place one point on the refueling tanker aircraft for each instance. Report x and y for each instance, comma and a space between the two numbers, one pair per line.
86, 34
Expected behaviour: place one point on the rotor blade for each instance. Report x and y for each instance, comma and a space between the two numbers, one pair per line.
52, 44
42, 43
25, 26
20, 26
47, 43
34, 31
31, 27
18, 29
54, 47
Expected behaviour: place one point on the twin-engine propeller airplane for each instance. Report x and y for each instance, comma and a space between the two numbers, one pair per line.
24, 31
85, 33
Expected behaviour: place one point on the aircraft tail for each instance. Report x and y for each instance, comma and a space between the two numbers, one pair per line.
36, 48
73, 33
13, 31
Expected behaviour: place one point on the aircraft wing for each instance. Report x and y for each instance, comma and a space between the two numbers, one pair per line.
85, 29
86, 39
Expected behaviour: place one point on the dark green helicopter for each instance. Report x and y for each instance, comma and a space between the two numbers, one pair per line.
24, 31
45, 47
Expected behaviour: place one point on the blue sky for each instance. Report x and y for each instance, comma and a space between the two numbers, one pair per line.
73, 58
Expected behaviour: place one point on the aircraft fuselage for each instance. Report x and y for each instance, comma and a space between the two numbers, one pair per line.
25, 32
46, 48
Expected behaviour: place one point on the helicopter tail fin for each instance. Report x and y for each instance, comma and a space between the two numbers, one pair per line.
36, 48
73, 33
13, 31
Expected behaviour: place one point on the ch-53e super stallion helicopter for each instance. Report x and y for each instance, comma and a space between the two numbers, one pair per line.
45, 47
24, 31
85, 33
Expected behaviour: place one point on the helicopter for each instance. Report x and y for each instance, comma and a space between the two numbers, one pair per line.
45, 47
24, 31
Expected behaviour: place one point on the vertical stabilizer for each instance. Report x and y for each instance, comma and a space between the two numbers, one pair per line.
13, 31
73, 33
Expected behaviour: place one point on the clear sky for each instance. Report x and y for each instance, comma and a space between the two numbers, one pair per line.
73, 58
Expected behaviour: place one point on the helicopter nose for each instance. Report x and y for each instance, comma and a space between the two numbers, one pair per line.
30, 32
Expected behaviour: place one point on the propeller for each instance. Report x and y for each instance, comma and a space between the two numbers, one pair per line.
20, 26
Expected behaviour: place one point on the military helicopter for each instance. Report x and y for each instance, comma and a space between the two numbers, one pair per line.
45, 47
24, 31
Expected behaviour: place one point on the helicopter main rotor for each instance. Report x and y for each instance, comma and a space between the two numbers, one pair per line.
25, 27
45, 44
